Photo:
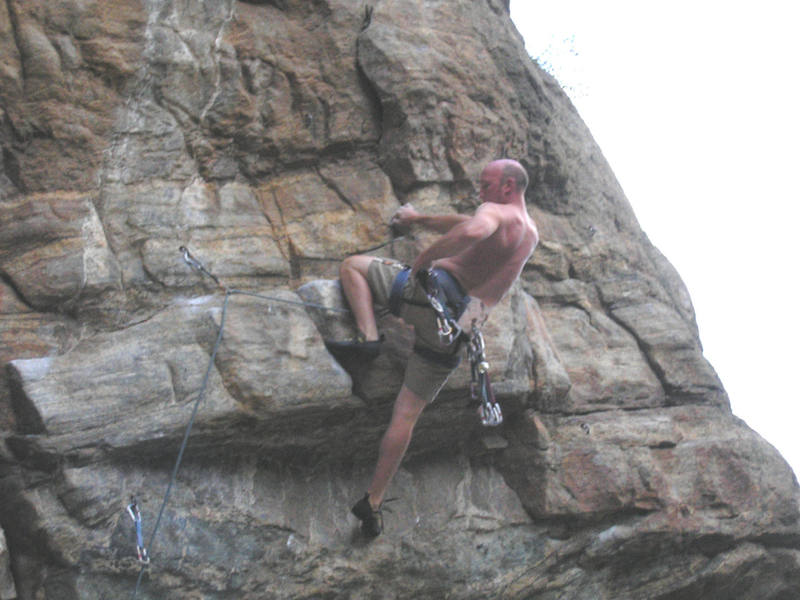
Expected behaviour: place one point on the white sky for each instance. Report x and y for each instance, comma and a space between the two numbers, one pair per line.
695, 106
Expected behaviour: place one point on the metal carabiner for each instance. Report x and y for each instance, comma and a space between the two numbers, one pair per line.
491, 414
141, 551
196, 264
445, 330
477, 344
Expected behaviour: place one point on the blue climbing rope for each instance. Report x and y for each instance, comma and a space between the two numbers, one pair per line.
200, 396
196, 264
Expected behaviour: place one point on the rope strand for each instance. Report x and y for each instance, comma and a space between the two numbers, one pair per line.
197, 265
200, 396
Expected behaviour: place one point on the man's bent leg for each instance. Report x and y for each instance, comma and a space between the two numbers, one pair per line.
353, 275
407, 408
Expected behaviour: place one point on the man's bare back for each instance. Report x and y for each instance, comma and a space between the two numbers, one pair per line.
486, 252
489, 268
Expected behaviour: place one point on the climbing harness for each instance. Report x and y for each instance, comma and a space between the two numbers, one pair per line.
141, 551
491, 415
444, 296
396, 293
446, 321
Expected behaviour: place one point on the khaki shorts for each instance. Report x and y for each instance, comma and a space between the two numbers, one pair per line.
423, 377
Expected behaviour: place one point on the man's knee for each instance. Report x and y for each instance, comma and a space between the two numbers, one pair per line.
357, 263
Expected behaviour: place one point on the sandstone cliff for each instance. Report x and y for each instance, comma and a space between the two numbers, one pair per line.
272, 138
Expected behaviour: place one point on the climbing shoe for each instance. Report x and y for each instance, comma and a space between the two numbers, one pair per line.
371, 519
358, 348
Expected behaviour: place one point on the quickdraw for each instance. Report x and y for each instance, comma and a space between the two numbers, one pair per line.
489, 409
196, 264
447, 329
141, 551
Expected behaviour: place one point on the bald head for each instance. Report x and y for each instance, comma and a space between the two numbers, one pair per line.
511, 169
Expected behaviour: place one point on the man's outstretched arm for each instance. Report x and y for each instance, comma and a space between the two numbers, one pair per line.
408, 215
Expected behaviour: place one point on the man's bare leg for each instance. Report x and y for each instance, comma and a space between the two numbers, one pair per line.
407, 409
353, 275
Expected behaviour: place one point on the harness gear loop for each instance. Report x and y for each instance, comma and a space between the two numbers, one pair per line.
141, 551
446, 322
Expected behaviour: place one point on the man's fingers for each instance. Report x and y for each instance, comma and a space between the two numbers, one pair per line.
402, 214
416, 267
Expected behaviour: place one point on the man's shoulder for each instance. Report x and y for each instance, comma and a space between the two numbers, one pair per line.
503, 211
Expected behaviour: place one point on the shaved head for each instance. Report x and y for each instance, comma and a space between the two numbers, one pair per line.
511, 169
514, 170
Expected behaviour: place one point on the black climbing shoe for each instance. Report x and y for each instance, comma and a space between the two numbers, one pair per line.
358, 348
371, 519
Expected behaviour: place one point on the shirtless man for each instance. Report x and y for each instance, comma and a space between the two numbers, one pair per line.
480, 257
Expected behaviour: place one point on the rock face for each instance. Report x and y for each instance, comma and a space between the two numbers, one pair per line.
273, 138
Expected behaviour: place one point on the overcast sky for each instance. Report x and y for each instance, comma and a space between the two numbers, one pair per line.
695, 106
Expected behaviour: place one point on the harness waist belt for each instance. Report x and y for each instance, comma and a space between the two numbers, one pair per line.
455, 296
396, 293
